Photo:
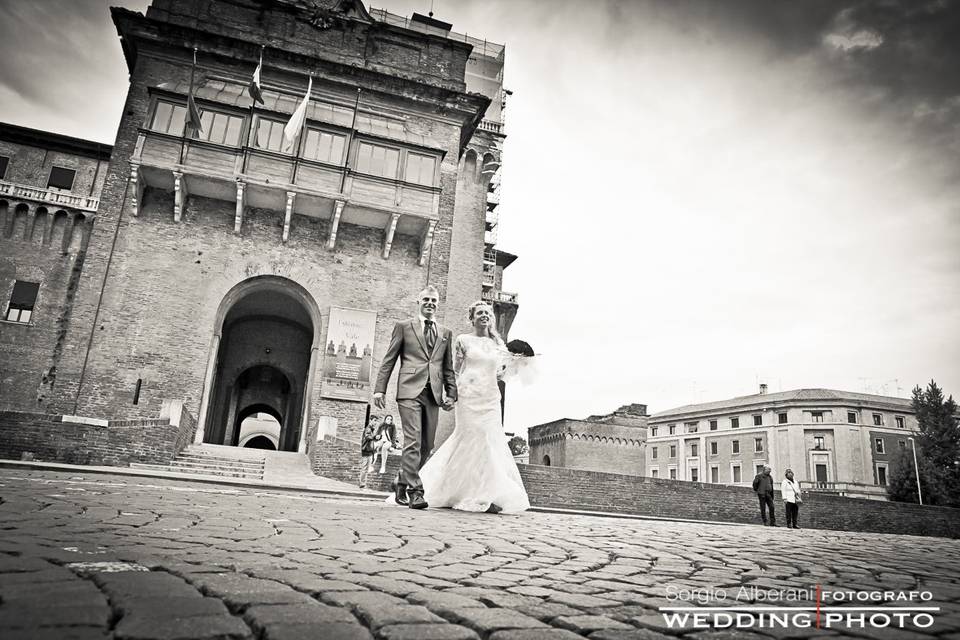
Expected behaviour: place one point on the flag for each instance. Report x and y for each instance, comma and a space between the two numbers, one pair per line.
255, 86
192, 121
291, 132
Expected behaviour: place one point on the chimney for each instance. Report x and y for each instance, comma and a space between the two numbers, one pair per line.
763, 388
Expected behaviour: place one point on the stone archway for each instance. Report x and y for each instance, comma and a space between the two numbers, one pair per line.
262, 361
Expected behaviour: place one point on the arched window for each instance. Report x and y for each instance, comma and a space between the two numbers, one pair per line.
546, 461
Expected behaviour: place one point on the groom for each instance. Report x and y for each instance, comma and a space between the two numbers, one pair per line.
425, 350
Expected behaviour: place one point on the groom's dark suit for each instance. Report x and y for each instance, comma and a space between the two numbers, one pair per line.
425, 375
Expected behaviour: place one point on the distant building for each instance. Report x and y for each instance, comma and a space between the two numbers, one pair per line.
836, 441
613, 443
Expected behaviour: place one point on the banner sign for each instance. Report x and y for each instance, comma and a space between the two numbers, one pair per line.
348, 356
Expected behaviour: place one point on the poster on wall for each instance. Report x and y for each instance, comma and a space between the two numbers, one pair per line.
348, 355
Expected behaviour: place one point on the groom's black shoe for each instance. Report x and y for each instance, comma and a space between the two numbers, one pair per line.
400, 492
417, 501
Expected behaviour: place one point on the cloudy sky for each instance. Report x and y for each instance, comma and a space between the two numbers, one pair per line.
703, 195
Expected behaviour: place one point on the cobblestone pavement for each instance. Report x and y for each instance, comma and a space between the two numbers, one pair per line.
120, 557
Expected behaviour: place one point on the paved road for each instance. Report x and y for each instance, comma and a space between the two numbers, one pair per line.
109, 556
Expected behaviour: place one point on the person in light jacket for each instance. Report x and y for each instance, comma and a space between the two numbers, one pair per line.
790, 491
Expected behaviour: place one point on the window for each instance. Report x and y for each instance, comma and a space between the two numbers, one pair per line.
899, 420
878, 443
269, 135
782, 418
715, 474
902, 444
713, 448
22, 300
673, 451
758, 469
654, 473
653, 453
736, 474
323, 146
816, 416
61, 178
713, 425
653, 432
4, 161
758, 444
671, 429
377, 161
734, 423
673, 473
882, 475
420, 169
168, 118
221, 128
818, 442
877, 420
735, 446
694, 474
691, 427
852, 417
758, 421
694, 449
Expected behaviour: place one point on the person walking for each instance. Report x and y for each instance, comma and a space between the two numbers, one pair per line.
790, 492
763, 485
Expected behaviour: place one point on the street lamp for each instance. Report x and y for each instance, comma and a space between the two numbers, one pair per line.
916, 468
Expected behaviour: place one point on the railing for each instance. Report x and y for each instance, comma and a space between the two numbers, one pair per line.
492, 295
482, 47
490, 255
51, 196
490, 125
842, 488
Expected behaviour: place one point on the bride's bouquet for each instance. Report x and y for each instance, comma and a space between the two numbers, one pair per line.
519, 362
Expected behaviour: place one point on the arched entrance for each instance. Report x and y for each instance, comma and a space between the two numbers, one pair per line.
262, 362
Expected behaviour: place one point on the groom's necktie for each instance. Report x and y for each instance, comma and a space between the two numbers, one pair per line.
429, 335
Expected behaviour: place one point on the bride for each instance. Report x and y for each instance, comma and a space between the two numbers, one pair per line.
473, 470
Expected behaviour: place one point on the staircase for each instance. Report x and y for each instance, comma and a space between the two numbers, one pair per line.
214, 460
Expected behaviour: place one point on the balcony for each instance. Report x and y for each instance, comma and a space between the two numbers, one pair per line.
50, 196
491, 126
492, 295
251, 177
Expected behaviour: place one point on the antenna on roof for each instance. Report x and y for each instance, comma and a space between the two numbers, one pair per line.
431, 9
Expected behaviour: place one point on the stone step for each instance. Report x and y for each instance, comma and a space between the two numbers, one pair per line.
218, 460
225, 473
181, 464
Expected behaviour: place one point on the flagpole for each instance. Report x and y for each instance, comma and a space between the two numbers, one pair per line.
183, 138
253, 104
353, 128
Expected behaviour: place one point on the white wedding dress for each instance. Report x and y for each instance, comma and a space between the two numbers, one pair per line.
474, 466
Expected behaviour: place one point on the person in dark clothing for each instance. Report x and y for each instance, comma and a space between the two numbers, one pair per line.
763, 485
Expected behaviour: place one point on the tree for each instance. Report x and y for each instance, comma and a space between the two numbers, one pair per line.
938, 452
518, 446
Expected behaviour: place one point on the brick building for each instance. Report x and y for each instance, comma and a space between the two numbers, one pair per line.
613, 443
203, 270
836, 441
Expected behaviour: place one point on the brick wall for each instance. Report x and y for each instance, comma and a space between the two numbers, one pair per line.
591, 490
339, 458
47, 438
